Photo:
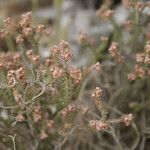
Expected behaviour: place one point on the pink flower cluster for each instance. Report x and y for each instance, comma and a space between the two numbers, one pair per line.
70, 108
14, 75
114, 51
76, 74
37, 114
73, 108
127, 119
143, 59
62, 51
57, 72
98, 125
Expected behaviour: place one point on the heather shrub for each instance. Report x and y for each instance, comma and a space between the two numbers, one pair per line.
52, 104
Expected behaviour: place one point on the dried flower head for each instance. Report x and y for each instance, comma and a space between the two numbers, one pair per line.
20, 118
27, 31
75, 74
19, 39
37, 114
114, 51
57, 72
43, 135
50, 123
40, 28
97, 93
140, 57
69, 109
131, 76
97, 67
127, 119
139, 71
98, 125
26, 19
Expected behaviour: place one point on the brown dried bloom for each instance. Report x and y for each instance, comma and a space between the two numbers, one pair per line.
43, 135
139, 71
50, 123
114, 51
27, 31
64, 44
17, 96
140, 57
20, 118
98, 125
131, 76
49, 62
127, 119
25, 19
76, 74
54, 50
96, 66
7, 21
143, 58
27, 15
104, 13
84, 39
97, 93
96, 98
29, 54
40, 28
19, 39
20, 73
83, 109
11, 77
147, 59
37, 114
36, 59
57, 72
10, 60
69, 109
66, 53
33, 58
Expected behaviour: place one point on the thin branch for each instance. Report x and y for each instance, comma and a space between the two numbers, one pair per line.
35, 97
13, 140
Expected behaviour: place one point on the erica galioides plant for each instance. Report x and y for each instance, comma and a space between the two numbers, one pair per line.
42, 96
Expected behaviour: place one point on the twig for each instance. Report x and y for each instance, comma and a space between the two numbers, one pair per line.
35, 97
13, 140
9, 107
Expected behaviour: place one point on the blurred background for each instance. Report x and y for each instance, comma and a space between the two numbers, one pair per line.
68, 17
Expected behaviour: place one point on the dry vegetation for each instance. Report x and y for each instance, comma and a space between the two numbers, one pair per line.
52, 104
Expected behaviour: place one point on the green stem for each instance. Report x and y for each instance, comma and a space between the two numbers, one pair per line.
10, 44
34, 5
